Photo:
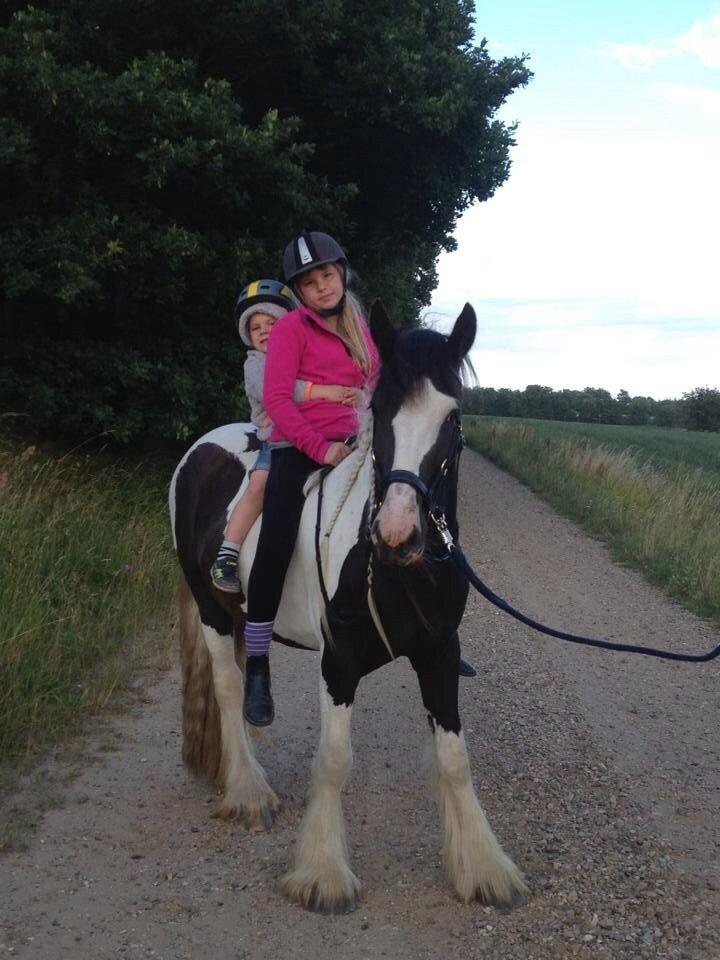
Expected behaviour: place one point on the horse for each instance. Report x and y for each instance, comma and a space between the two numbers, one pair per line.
367, 583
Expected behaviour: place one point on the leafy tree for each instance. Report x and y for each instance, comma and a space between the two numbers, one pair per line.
702, 409
155, 156
141, 194
395, 96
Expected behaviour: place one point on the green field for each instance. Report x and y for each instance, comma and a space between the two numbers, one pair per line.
87, 573
652, 494
662, 447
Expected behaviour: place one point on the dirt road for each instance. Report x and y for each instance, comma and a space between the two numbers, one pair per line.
599, 772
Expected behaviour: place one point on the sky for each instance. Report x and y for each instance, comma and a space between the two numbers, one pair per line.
597, 263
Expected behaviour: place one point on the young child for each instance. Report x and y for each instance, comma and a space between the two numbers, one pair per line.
325, 339
258, 307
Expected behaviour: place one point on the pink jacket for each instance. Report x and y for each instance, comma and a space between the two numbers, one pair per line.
302, 347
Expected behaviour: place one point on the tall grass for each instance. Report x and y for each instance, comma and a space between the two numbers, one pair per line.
658, 514
86, 562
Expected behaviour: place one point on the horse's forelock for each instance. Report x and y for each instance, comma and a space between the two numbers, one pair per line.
419, 356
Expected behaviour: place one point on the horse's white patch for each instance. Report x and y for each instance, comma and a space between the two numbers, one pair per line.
415, 426
474, 860
321, 867
246, 788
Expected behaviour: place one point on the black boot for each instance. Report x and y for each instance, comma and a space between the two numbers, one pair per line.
259, 708
466, 669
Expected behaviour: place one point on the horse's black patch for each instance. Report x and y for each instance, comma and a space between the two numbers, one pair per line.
205, 485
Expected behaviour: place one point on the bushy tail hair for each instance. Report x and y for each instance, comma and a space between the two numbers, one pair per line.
202, 743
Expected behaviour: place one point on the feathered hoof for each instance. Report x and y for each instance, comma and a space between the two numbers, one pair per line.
317, 904
517, 899
256, 819
501, 888
319, 897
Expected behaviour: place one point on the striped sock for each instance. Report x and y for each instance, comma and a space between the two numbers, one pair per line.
258, 637
229, 548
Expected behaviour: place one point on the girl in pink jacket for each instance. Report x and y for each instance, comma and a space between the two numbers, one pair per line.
324, 341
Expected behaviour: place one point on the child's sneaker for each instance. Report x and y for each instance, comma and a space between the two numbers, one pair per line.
224, 574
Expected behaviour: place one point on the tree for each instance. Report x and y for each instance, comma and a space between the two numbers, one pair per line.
702, 409
157, 156
395, 96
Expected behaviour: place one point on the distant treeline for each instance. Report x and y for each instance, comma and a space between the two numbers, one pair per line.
697, 410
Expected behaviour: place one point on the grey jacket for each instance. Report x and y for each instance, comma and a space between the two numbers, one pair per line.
254, 371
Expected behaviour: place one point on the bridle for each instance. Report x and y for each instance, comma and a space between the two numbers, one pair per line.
433, 494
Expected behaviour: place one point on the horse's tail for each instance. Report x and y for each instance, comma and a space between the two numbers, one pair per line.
202, 743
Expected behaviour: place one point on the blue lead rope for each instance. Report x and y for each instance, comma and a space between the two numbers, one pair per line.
461, 562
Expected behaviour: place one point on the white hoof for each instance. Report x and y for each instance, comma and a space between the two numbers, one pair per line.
255, 815
335, 891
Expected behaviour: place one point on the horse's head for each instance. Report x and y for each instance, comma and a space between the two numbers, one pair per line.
417, 430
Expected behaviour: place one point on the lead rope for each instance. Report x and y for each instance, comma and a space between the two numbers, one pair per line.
461, 562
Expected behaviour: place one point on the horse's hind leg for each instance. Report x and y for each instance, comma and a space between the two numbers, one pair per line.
473, 859
246, 792
321, 878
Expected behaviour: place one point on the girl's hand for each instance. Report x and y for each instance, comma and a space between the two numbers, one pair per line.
336, 453
350, 396
335, 393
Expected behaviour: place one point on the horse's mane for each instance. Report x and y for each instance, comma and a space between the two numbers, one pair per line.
419, 354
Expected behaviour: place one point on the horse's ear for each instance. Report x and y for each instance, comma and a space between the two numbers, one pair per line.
463, 335
383, 332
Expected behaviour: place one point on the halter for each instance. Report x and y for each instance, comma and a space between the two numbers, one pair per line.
433, 493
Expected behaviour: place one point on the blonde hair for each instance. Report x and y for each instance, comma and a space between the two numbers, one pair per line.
350, 328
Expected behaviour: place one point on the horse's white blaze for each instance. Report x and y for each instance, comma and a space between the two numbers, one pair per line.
474, 860
246, 788
321, 870
415, 427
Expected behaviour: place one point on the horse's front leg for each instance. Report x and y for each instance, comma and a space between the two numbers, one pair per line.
473, 859
246, 793
321, 878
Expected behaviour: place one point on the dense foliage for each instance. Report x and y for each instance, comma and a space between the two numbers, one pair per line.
697, 410
155, 157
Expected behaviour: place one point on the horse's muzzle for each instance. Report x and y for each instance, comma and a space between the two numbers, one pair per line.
405, 554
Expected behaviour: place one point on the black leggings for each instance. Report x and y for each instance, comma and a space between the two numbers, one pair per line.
282, 507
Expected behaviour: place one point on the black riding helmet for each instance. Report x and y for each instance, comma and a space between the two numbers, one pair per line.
314, 249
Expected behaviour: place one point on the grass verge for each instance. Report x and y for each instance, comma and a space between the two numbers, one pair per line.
86, 566
659, 514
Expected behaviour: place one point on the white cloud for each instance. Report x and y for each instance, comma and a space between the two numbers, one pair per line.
630, 216
704, 99
702, 41
595, 264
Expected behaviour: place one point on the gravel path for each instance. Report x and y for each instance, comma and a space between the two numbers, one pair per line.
599, 772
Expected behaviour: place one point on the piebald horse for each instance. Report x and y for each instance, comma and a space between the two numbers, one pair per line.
373, 524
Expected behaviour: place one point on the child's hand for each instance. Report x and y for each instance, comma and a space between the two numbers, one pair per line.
336, 452
350, 396
336, 393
